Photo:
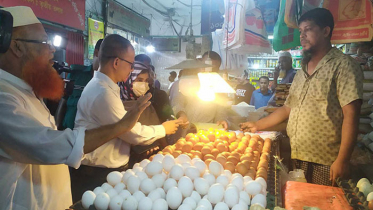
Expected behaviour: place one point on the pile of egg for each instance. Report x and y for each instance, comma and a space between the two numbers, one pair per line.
244, 154
177, 183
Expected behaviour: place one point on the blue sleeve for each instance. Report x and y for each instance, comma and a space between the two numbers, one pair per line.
252, 100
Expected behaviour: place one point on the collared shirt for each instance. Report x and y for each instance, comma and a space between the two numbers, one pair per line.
258, 99
99, 105
316, 101
32, 153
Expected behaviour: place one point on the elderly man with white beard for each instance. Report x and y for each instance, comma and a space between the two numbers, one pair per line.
34, 156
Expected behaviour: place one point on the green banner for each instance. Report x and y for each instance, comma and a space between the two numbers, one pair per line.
95, 32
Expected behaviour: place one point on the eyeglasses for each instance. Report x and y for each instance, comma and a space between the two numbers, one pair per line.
132, 64
48, 42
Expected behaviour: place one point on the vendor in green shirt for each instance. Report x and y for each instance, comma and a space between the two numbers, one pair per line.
81, 75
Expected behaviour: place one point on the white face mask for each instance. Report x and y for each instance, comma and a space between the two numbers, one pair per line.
140, 88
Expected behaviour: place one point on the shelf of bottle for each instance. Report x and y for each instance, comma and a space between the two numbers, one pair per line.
267, 68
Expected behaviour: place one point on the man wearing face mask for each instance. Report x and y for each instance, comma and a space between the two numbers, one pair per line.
100, 104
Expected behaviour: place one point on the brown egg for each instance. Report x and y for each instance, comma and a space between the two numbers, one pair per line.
234, 145
233, 159
230, 166
215, 152
206, 150
211, 145
263, 163
226, 154
245, 140
208, 156
167, 150
221, 147
211, 137
176, 153
262, 174
189, 135
187, 147
198, 146
236, 154
207, 162
193, 140
151, 157
231, 137
240, 151
256, 153
370, 205
240, 135
246, 163
197, 154
204, 139
251, 173
221, 159
241, 168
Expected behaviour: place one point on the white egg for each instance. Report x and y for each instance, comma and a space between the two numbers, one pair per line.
215, 168
125, 194
174, 198
223, 179
165, 176
236, 175
259, 199
238, 181
243, 202
192, 172
202, 186
154, 168
240, 206
147, 185
98, 190
361, 181
205, 203
202, 208
216, 193
137, 169
144, 163
162, 192
116, 203
168, 162
253, 188
142, 175
126, 175
177, 172
221, 206
114, 177
136, 165
88, 198
130, 203
160, 204
369, 197
185, 165
145, 204
262, 182
185, 186
169, 183
183, 158
158, 157
112, 193
154, 195
244, 196
365, 188
200, 165
246, 179
194, 160
191, 202
158, 180
102, 201
205, 197
133, 184
231, 197
184, 207
119, 187
138, 195
106, 186
228, 173
210, 178
196, 196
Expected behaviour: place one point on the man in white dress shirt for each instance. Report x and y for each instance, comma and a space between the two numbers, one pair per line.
33, 154
100, 104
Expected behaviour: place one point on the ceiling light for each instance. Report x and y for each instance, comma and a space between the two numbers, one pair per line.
57, 41
150, 49
213, 81
270, 37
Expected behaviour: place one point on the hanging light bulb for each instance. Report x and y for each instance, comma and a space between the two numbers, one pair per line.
206, 94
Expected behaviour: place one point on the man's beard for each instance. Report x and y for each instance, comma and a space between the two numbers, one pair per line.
307, 55
44, 79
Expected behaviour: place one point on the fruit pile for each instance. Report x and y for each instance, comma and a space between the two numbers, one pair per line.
244, 154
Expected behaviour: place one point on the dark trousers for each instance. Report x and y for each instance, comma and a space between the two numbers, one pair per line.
88, 178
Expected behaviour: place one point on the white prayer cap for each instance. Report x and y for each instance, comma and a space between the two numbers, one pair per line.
284, 54
22, 16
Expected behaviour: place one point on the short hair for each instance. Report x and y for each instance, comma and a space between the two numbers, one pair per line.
173, 73
143, 58
245, 73
321, 17
98, 44
213, 55
113, 46
264, 77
